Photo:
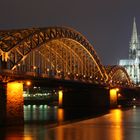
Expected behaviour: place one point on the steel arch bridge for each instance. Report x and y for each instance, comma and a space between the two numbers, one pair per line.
58, 52
118, 76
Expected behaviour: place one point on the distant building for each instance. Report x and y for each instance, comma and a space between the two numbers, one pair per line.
132, 64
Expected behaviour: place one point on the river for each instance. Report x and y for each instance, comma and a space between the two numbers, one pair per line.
43, 122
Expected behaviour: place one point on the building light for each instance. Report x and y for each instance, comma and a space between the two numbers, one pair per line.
132, 64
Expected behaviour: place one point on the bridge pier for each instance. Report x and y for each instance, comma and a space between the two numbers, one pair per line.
11, 103
113, 97
2, 103
129, 97
95, 99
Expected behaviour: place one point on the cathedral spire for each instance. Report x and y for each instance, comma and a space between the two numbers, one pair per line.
134, 38
134, 43
132, 65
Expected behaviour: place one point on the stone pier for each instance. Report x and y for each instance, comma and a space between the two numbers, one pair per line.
11, 103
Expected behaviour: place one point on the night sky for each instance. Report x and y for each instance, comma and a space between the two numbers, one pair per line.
107, 24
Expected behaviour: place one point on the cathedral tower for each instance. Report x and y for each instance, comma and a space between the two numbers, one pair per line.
134, 43
132, 65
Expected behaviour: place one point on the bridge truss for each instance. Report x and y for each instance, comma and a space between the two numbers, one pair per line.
56, 52
118, 76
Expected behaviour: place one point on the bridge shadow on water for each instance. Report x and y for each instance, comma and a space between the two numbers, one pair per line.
53, 115
73, 115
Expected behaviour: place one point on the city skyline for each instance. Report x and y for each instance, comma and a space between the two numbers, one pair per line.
107, 24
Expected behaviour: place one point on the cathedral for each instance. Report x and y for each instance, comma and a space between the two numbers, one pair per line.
132, 65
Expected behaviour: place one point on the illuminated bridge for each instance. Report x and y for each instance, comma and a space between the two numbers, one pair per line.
57, 53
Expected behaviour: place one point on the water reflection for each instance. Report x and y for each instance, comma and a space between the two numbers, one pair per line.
118, 128
60, 115
40, 113
52, 114
107, 127
116, 125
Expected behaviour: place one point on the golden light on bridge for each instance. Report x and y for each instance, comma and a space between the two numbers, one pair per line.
117, 89
58, 71
113, 97
119, 95
15, 101
34, 67
60, 98
28, 83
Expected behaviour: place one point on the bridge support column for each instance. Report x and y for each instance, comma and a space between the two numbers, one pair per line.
13, 104
96, 99
60, 98
113, 97
2, 103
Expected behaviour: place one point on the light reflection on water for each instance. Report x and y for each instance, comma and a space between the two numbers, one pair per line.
117, 119
40, 113
107, 127
116, 125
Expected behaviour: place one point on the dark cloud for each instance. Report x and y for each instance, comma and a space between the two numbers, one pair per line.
106, 24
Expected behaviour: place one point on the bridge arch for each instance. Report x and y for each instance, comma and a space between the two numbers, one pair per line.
118, 76
60, 46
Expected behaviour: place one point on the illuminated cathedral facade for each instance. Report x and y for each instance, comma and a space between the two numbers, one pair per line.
132, 64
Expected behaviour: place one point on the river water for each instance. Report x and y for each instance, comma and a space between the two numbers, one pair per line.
43, 122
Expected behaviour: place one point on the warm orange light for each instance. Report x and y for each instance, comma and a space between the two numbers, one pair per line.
113, 97
119, 95
60, 97
34, 67
60, 115
59, 71
15, 101
117, 121
28, 83
118, 115
117, 89
28, 137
